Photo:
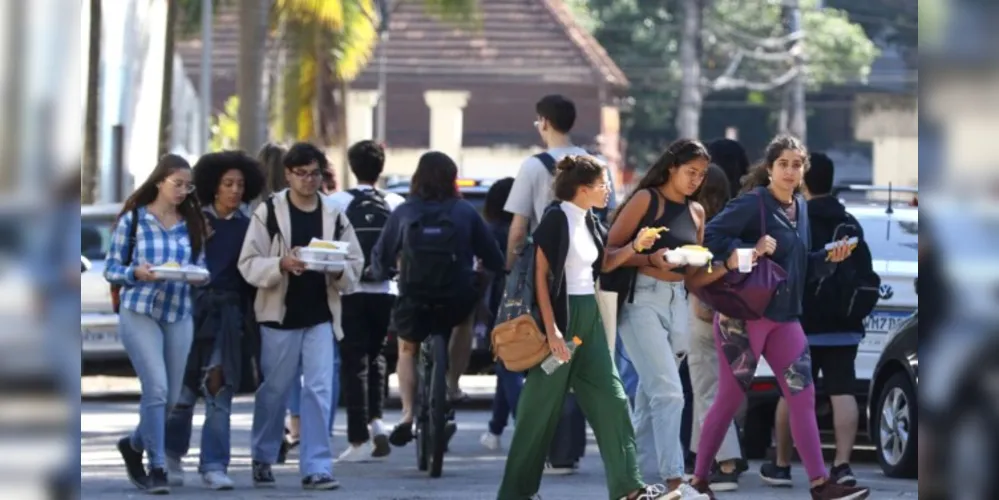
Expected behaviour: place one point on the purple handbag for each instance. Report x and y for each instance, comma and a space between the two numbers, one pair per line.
745, 295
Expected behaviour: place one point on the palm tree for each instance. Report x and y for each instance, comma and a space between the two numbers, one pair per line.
91, 125
327, 43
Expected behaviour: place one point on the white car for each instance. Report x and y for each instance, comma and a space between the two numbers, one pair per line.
892, 235
98, 323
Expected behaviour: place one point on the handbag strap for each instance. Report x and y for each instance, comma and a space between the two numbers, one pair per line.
763, 215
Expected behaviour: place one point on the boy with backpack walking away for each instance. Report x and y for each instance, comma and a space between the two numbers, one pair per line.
833, 312
366, 309
299, 312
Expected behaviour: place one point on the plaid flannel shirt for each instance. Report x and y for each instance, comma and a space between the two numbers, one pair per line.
166, 301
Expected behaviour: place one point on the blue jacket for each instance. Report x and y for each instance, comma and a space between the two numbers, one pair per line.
467, 221
738, 226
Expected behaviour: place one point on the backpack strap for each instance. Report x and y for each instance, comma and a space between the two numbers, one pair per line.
271, 221
548, 161
133, 229
338, 228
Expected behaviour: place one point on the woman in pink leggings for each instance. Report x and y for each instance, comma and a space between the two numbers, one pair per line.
777, 336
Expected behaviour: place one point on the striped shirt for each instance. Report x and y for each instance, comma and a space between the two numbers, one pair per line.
166, 301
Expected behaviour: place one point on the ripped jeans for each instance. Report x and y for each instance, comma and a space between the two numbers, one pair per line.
215, 435
740, 344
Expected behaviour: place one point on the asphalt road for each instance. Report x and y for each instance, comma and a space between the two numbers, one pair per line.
470, 471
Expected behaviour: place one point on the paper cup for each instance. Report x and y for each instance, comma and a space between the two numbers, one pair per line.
745, 259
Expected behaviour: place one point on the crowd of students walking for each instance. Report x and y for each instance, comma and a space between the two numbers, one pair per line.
309, 335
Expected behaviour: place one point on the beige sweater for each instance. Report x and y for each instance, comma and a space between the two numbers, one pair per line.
259, 260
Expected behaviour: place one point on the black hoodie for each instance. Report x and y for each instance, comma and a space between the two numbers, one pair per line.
825, 214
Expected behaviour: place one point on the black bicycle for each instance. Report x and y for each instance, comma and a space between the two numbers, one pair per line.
432, 405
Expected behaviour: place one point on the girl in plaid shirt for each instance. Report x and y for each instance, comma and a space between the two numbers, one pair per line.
155, 322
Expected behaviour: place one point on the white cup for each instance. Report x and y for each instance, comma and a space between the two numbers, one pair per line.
745, 259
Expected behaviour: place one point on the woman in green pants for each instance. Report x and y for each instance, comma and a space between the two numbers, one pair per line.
570, 248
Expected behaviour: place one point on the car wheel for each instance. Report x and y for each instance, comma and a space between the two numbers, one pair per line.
895, 431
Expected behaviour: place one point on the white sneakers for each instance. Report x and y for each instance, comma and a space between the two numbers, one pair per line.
217, 480
357, 453
490, 441
373, 450
175, 472
686, 492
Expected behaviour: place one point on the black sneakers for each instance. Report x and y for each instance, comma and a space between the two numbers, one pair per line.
723, 481
320, 482
263, 477
157, 484
842, 474
133, 463
833, 491
401, 434
774, 475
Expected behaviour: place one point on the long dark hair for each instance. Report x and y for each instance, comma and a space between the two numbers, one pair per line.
714, 192
189, 209
680, 152
759, 175
271, 158
733, 160
435, 178
495, 201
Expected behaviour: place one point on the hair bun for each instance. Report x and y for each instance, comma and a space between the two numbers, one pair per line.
567, 163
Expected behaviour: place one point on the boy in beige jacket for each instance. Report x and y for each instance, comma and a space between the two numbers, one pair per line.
299, 315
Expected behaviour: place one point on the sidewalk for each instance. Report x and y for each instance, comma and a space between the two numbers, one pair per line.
479, 388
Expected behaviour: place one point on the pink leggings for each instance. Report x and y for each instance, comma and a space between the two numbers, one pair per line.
783, 345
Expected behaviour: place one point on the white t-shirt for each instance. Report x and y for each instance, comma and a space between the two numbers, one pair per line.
343, 199
582, 252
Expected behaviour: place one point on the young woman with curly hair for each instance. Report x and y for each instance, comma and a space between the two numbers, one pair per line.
225, 182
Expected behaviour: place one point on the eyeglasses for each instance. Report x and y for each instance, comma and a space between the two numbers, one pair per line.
305, 175
600, 185
186, 187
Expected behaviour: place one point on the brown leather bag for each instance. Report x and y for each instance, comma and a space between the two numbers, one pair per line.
519, 343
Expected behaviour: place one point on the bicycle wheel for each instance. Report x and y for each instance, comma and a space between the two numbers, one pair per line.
420, 409
438, 403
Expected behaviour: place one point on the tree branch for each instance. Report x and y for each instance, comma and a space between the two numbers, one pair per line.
725, 82
772, 44
783, 56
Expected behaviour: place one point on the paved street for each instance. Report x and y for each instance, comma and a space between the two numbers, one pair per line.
470, 472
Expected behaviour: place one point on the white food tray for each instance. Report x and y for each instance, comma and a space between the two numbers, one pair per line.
186, 273
318, 254
683, 257
324, 266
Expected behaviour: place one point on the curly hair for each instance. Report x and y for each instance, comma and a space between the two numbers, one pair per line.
210, 168
573, 172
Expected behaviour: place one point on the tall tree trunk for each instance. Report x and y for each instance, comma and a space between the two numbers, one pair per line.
166, 102
88, 183
250, 76
688, 117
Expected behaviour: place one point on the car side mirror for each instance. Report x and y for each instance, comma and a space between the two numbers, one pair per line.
85, 264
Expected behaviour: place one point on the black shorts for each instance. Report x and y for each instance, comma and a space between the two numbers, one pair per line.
838, 367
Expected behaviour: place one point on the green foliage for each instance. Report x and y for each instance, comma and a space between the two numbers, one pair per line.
225, 127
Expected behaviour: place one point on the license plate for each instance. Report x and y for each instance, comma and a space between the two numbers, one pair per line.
883, 321
100, 337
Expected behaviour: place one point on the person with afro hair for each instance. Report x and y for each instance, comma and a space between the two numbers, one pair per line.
225, 182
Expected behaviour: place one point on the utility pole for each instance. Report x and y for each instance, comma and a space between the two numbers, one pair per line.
206, 73
798, 125
383, 37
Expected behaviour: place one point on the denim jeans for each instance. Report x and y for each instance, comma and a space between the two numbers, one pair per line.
295, 398
649, 328
282, 352
508, 387
215, 434
626, 370
158, 351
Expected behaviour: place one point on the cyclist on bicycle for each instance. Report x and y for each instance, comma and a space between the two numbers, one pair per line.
434, 237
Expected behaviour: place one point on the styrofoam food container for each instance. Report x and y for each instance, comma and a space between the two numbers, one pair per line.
324, 266
185, 273
319, 254
683, 256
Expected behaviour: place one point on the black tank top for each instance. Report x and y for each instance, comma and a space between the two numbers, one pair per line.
682, 229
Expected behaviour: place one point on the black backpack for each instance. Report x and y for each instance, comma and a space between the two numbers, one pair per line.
853, 290
367, 212
430, 274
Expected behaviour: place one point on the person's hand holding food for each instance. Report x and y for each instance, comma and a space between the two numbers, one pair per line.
647, 237
841, 251
659, 260
291, 263
144, 272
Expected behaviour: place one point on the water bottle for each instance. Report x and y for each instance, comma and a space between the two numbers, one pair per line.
551, 363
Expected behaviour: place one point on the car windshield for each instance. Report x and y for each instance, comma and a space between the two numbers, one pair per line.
890, 237
476, 198
95, 236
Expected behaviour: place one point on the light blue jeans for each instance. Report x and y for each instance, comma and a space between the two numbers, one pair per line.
654, 330
626, 370
158, 351
215, 434
281, 354
295, 398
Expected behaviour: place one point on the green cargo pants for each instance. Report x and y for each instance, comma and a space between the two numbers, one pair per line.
592, 376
